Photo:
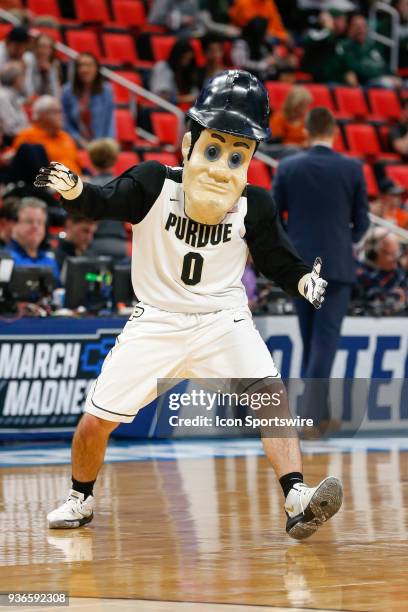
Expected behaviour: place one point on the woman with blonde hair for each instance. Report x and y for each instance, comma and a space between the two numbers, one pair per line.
288, 123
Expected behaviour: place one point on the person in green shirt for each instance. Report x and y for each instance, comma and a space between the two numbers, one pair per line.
360, 59
320, 58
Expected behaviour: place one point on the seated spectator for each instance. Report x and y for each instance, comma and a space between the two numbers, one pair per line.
79, 233
361, 61
243, 11
398, 135
13, 117
110, 238
29, 233
176, 78
88, 102
213, 49
179, 16
103, 153
322, 42
47, 131
7, 221
254, 53
288, 123
389, 205
215, 19
381, 282
43, 74
15, 47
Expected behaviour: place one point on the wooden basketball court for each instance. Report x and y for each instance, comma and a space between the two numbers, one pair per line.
208, 534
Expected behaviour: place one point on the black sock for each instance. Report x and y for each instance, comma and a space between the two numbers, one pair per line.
83, 487
288, 480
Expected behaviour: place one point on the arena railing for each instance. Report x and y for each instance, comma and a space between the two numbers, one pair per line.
391, 41
112, 76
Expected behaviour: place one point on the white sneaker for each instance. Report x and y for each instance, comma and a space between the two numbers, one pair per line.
75, 512
307, 508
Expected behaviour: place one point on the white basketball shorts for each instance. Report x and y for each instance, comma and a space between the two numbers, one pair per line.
158, 344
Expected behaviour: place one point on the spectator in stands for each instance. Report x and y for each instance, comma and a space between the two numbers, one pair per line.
79, 233
29, 233
288, 123
215, 19
398, 135
13, 117
361, 61
47, 131
8, 219
88, 102
321, 43
389, 205
324, 196
176, 79
43, 75
213, 49
110, 237
243, 11
15, 47
381, 281
254, 53
179, 16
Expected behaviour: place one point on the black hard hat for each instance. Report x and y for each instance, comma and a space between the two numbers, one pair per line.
235, 102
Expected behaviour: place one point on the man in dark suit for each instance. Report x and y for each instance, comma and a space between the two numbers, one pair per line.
324, 196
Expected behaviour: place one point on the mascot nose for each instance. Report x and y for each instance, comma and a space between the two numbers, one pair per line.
219, 173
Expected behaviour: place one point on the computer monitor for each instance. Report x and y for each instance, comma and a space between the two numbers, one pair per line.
31, 283
122, 289
87, 282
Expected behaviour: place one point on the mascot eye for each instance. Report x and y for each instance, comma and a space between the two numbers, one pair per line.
235, 160
212, 152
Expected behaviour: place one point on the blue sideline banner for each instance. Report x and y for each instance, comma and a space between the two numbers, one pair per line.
47, 366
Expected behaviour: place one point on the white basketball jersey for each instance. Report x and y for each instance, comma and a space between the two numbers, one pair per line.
184, 266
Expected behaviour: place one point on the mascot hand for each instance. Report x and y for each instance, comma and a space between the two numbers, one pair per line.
59, 177
314, 287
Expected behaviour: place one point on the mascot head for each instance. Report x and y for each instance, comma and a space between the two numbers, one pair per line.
229, 119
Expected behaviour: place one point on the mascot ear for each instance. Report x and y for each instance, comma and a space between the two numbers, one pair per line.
185, 145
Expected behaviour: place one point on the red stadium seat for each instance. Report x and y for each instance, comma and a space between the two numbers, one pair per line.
338, 144
84, 41
45, 7
168, 159
161, 47
385, 103
92, 11
125, 126
122, 95
371, 183
198, 51
258, 174
165, 126
129, 13
277, 92
119, 49
321, 95
126, 160
85, 160
351, 101
399, 174
4, 30
362, 139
